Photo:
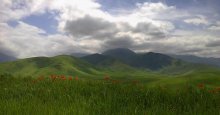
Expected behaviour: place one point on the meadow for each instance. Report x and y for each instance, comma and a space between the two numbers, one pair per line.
56, 94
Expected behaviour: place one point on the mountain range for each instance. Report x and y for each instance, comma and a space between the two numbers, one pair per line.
118, 62
152, 61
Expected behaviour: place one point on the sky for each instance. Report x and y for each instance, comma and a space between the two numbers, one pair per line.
30, 28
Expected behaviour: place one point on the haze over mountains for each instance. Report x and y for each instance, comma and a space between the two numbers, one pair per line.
196, 59
4, 57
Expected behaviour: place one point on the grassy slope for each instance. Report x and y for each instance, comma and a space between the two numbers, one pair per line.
46, 66
69, 66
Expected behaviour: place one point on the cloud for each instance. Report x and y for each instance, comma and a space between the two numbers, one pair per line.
17, 9
83, 26
119, 42
89, 26
154, 31
34, 43
215, 43
133, 23
199, 20
215, 27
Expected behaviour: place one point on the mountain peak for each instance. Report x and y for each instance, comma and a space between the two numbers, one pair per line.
119, 50
123, 54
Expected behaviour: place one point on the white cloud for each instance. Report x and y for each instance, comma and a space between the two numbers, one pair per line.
215, 27
199, 20
28, 41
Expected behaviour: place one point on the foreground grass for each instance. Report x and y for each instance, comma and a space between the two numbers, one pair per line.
102, 97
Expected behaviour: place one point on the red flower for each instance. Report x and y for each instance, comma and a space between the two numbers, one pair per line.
70, 78
106, 78
53, 77
201, 86
212, 91
217, 89
76, 78
62, 77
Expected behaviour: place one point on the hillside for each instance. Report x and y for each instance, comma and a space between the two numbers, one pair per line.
43, 66
68, 65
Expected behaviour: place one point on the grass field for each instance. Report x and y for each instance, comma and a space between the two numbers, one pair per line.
117, 89
70, 95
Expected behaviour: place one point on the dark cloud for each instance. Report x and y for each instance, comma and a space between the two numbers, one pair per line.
6, 51
213, 44
89, 26
194, 50
119, 42
147, 28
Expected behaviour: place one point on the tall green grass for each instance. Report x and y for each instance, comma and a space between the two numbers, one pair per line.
28, 96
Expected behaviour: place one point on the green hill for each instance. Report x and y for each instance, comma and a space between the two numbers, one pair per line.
68, 65
36, 66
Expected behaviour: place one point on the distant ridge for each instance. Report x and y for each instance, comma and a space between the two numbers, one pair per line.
4, 58
196, 59
152, 61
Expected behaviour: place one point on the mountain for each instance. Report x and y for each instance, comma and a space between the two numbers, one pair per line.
152, 61
4, 58
108, 63
36, 66
123, 54
201, 60
79, 54
99, 59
